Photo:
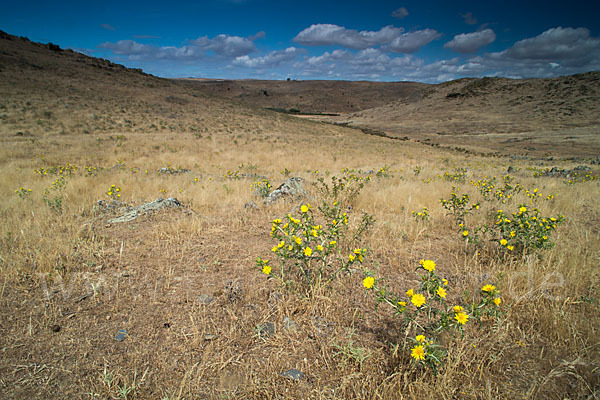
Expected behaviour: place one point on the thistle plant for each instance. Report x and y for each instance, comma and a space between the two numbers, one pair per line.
421, 215
344, 189
310, 255
23, 193
457, 206
114, 192
428, 312
525, 230
262, 188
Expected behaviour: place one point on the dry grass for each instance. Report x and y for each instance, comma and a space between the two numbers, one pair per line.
146, 275
69, 280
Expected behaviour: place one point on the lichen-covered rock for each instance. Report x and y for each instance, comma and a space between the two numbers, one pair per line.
290, 188
135, 212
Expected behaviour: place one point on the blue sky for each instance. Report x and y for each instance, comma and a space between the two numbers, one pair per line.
427, 41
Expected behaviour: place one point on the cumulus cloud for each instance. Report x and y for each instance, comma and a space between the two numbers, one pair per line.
564, 44
258, 35
222, 45
400, 13
471, 42
272, 59
225, 45
410, 42
364, 64
329, 34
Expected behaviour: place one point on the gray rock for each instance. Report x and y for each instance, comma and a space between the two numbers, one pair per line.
135, 212
205, 299
251, 205
266, 330
293, 374
290, 188
121, 335
290, 325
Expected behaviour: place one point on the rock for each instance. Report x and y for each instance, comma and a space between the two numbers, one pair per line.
266, 330
251, 205
290, 325
135, 212
205, 299
293, 374
233, 291
290, 188
173, 171
210, 336
510, 169
121, 335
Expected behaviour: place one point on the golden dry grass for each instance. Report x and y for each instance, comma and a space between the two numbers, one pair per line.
146, 275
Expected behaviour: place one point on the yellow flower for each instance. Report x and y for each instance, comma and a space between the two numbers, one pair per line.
281, 244
497, 301
274, 249
266, 269
522, 209
461, 317
332, 243
418, 300
428, 265
503, 242
420, 338
410, 293
402, 303
465, 233
457, 309
351, 257
445, 281
488, 288
304, 208
418, 353
510, 247
314, 233
368, 282
319, 247
441, 292
298, 240
308, 252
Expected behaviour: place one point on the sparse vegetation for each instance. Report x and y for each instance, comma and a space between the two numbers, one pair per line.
324, 320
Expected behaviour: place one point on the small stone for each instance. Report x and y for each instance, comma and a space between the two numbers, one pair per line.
210, 336
251, 205
266, 330
55, 328
121, 335
107, 317
205, 299
290, 325
293, 374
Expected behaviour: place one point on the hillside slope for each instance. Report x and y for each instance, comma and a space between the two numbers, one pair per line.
548, 115
45, 89
311, 96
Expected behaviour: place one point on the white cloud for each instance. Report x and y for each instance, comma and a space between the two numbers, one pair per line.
471, 42
411, 42
221, 45
400, 13
272, 59
225, 45
575, 46
329, 34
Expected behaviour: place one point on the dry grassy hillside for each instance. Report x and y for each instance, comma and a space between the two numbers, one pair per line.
557, 116
310, 96
102, 298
